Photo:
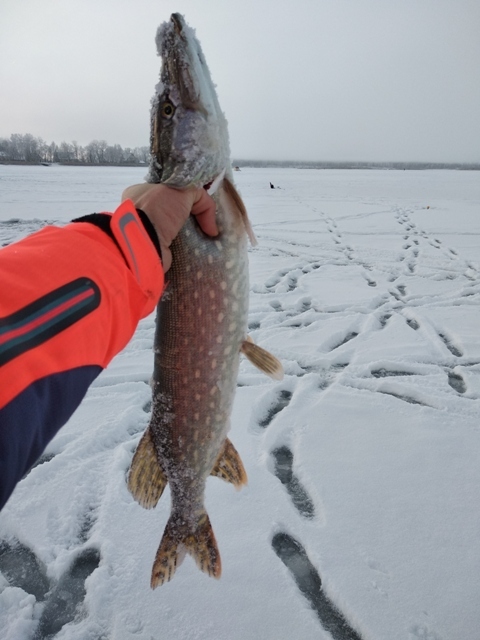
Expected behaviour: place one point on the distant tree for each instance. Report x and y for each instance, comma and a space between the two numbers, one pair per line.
75, 150
42, 148
91, 152
114, 154
129, 156
30, 148
141, 153
4, 149
16, 147
102, 146
65, 152
52, 152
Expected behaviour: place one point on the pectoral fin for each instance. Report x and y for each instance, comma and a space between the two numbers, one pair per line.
262, 359
146, 479
229, 466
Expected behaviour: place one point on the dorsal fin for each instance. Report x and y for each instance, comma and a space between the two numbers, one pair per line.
235, 197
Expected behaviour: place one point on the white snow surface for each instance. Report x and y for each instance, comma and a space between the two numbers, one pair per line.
366, 284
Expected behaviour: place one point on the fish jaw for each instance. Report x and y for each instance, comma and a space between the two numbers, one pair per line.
189, 135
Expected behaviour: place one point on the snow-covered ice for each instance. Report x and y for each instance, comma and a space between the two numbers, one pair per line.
363, 463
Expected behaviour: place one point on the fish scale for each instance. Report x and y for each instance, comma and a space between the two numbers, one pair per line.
196, 364
201, 318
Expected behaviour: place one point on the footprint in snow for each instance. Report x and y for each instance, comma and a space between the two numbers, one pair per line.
307, 578
88, 519
455, 351
276, 305
387, 373
349, 336
284, 471
412, 323
304, 305
66, 599
383, 319
292, 282
281, 401
457, 382
23, 569
404, 397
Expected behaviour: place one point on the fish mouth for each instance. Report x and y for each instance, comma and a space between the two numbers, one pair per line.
185, 64
178, 21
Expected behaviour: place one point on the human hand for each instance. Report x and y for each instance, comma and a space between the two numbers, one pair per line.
168, 210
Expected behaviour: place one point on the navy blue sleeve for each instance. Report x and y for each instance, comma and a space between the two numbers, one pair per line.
31, 419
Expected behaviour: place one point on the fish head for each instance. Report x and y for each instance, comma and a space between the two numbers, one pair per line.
189, 136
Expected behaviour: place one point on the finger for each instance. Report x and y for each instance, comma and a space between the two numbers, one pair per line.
204, 210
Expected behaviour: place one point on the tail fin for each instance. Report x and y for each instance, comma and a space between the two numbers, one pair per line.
179, 539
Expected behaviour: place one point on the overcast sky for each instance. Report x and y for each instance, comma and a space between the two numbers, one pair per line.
297, 79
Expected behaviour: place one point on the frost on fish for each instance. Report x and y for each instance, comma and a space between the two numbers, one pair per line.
197, 131
202, 322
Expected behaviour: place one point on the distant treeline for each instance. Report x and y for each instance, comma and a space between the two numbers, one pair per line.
25, 148
300, 164
28, 149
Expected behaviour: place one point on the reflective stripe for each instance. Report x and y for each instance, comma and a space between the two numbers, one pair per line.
46, 317
122, 223
137, 247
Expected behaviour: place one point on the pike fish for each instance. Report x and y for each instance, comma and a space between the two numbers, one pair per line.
202, 316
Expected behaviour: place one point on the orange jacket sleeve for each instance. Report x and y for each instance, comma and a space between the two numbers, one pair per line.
72, 297
70, 300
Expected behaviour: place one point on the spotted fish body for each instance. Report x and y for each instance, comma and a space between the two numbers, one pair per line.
197, 361
202, 317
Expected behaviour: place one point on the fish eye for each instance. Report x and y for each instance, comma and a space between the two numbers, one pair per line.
167, 110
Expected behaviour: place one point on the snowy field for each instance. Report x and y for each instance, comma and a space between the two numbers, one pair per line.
361, 518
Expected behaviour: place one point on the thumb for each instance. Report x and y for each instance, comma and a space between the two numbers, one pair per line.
203, 209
